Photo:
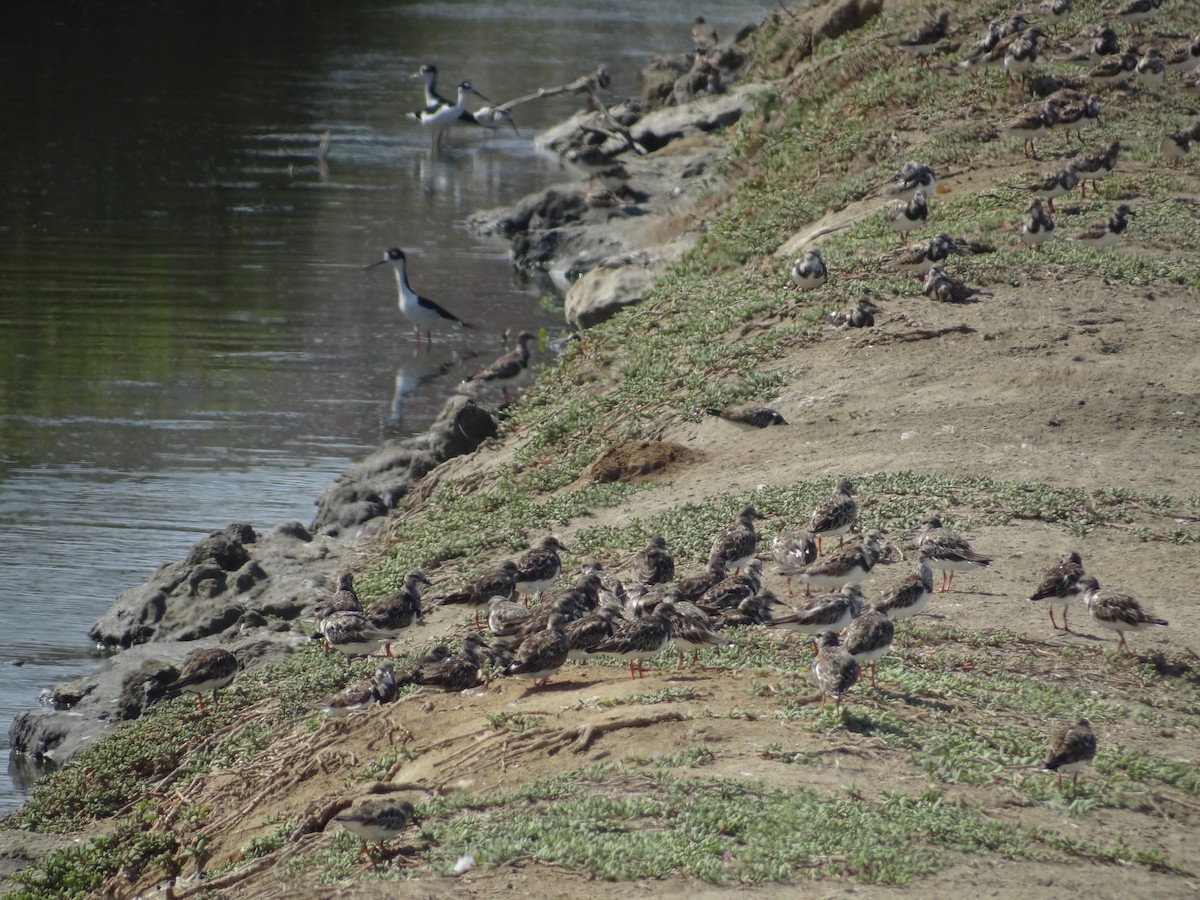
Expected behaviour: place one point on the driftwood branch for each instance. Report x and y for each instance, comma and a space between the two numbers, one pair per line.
585, 84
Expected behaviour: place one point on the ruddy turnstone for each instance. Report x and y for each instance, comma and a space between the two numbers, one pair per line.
835, 515
591, 631
638, 640
1054, 11
1097, 166
458, 672
792, 551
500, 582
691, 628
401, 609
915, 177
834, 671
946, 288
1151, 69
734, 547
1105, 234
827, 612
949, 551
917, 259
704, 36
1061, 584
756, 610
1113, 70
1038, 227
380, 689
1183, 58
732, 589
848, 563
860, 314
205, 670
1176, 146
411, 673
506, 617
911, 595
869, 637
541, 655
1190, 83
922, 42
1135, 12
376, 819
1077, 114
1105, 43
345, 599
809, 272
1030, 123
539, 568
748, 417
993, 47
1021, 54
696, 586
654, 564
352, 634
1070, 750
905, 216
1115, 610
1054, 184
507, 369
421, 311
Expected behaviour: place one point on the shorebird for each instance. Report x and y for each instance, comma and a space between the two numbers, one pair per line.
1114, 70
835, 515
1054, 184
1096, 167
1077, 114
697, 585
654, 564
733, 589
542, 654
1105, 43
1115, 610
1028, 124
704, 36
506, 369
793, 551
809, 272
592, 631
1070, 750
458, 672
493, 118
638, 640
835, 671
1105, 234
869, 637
1135, 12
849, 563
440, 115
1151, 69
421, 311
946, 288
748, 417
1176, 146
924, 40
379, 689
734, 547
991, 50
1022, 54
352, 634
376, 819
917, 259
1183, 58
691, 628
1060, 583
539, 568
905, 216
912, 594
499, 582
1190, 83
1054, 11
914, 177
344, 598
1038, 227
206, 670
859, 314
401, 609
949, 551
827, 612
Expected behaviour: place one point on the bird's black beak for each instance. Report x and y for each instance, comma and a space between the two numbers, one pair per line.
377, 263
480, 96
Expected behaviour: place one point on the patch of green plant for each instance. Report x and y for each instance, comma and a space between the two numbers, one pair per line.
513, 722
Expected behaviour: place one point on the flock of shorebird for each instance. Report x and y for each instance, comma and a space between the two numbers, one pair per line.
1017, 45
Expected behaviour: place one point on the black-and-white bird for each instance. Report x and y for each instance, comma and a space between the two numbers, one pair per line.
421, 311
809, 271
917, 259
376, 819
1060, 584
1037, 227
946, 288
904, 216
1115, 610
1095, 167
1104, 234
747, 416
439, 116
1054, 184
1030, 123
949, 551
835, 515
869, 637
914, 177
539, 568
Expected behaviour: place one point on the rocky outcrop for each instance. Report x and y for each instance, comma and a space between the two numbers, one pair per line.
617, 282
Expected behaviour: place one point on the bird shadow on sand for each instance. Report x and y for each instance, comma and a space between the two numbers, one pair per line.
554, 687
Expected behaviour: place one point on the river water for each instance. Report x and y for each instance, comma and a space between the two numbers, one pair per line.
187, 335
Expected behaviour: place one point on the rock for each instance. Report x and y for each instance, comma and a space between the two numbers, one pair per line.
657, 129
840, 16
615, 283
551, 208
659, 77
373, 487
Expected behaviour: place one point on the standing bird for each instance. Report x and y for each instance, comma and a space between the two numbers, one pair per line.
1135, 12
869, 637
638, 640
734, 547
1022, 54
903, 217
949, 551
539, 568
692, 628
846, 564
421, 311
793, 551
1096, 167
352, 634
499, 582
1038, 227
459, 672
507, 369
1151, 69
206, 670
1175, 147
912, 594
1104, 234
380, 689
835, 671
441, 115
1070, 750
376, 819
1115, 610
1184, 58
810, 271
924, 40
401, 609
345, 599
704, 36
835, 515
1054, 184
1054, 11
828, 612
654, 564
1061, 583
542, 654
1029, 124
915, 177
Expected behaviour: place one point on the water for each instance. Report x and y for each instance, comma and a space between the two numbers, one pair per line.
187, 335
